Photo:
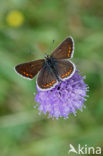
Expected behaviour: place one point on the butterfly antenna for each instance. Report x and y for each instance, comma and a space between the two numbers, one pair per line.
50, 48
52, 45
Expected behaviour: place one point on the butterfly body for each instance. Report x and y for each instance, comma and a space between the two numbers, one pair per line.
53, 69
50, 63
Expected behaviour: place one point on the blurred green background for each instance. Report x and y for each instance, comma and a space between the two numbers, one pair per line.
27, 28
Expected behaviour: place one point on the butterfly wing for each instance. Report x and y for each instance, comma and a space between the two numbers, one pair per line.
46, 79
65, 49
29, 69
65, 68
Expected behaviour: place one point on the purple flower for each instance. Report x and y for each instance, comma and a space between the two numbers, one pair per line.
65, 98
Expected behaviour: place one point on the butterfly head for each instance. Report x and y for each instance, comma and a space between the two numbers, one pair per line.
47, 56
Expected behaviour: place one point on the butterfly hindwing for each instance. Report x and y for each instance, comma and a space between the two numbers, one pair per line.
65, 68
29, 69
46, 79
65, 49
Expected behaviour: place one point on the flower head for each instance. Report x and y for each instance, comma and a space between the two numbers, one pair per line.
67, 97
15, 18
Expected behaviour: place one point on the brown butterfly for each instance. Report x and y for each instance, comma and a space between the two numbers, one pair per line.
53, 69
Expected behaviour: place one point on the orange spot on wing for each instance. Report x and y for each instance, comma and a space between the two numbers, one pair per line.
27, 74
49, 84
66, 74
69, 51
31, 75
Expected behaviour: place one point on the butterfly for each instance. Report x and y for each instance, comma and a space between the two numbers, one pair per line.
53, 69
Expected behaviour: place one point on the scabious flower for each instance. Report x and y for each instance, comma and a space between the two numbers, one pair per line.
15, 18
67, 97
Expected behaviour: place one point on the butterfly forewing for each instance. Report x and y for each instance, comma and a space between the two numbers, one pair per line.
64, 50
65, 68
29, 69
46, 79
